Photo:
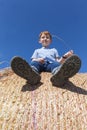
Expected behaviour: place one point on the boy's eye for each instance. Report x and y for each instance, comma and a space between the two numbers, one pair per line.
42, 37
47, 37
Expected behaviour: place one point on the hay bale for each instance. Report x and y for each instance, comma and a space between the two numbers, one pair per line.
43, 107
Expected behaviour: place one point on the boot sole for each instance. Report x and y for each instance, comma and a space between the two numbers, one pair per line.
24, 70
68, 69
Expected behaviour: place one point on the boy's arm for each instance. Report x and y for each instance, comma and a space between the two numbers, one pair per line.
41, 60
65, 56
60, 60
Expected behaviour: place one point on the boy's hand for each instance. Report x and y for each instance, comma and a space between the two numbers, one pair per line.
41, 60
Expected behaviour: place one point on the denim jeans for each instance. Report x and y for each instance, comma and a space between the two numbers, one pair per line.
46, 67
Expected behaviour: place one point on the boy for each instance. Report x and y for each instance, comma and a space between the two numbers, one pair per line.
47, 59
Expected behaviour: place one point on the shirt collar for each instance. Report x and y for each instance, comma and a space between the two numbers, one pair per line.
45, 47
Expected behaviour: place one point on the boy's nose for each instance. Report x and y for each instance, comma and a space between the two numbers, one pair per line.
45, 38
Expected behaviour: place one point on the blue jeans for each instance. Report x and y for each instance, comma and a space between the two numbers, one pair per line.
46, 67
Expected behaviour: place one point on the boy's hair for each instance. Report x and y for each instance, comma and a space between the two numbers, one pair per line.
46, 33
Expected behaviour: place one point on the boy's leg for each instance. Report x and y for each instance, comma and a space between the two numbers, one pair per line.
24, 70
51, 67
37, 66
68, 69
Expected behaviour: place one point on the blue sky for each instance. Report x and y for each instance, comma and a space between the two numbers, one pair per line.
21, 21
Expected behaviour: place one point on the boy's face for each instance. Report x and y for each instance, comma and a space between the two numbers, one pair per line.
45, 40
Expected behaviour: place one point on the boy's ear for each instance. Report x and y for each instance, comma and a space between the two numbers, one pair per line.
51, 41
39, 41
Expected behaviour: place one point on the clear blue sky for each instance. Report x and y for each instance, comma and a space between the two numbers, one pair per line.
21, 21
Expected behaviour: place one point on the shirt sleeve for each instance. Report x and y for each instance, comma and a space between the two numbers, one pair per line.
35, 54
56, 53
